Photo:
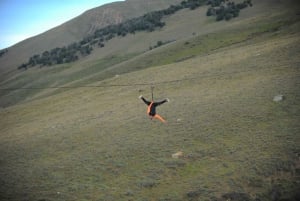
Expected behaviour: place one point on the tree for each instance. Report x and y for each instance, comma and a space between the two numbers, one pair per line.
3, 52
236, 13
211, 11
228, 16
222, 9
100, 44
23, 66
159, 43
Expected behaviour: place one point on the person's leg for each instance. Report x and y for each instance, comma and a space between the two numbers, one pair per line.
159, 117
145, 101
161, 102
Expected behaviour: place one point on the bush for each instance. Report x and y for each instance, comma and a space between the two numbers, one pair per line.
228, 16
220, 17
211, 11
3, 52
159, 43
148, 183
148, 22
23, 66
228, 11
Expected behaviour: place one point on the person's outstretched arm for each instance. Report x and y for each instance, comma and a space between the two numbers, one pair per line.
145, 101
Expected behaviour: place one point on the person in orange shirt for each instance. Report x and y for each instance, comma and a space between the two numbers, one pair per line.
151, 111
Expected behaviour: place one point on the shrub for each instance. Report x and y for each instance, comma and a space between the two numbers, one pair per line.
220, 17
228, 16
228, 11
148, 22
3, 52
211, 11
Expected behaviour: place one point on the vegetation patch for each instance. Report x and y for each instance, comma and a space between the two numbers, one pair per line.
98, 143
148, 22
3, 52
159, 43
235, 196
225, 10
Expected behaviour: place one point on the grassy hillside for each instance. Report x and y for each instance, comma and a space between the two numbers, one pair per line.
97, 143
78, 28
123, 54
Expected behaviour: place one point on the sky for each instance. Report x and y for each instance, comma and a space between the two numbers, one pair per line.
21, 19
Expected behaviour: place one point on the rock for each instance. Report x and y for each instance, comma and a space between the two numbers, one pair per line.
179, 154
278, 98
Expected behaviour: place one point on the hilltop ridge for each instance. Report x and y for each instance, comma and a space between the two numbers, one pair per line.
78, 28
149, 22
121, 53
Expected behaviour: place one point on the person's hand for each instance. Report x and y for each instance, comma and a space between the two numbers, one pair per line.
168, 100
141, 96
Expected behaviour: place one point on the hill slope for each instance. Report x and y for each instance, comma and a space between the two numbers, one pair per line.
79, 27
97, 143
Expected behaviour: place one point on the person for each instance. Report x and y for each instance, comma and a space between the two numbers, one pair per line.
151, 111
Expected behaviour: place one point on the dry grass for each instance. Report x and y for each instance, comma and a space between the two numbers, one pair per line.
78, 28
98, 143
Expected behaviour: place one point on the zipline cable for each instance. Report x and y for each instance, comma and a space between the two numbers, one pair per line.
152, 87
96, 86
138, 84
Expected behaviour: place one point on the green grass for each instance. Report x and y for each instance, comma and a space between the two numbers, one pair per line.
98, 143
110, 66
206, 44
57, 76
101, 146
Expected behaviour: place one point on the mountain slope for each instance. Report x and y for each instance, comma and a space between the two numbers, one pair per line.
179, 27
97, 143
79, 27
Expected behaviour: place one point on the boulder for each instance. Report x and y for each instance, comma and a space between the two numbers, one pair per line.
278, 98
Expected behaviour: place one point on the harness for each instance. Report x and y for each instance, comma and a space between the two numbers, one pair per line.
149, 108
